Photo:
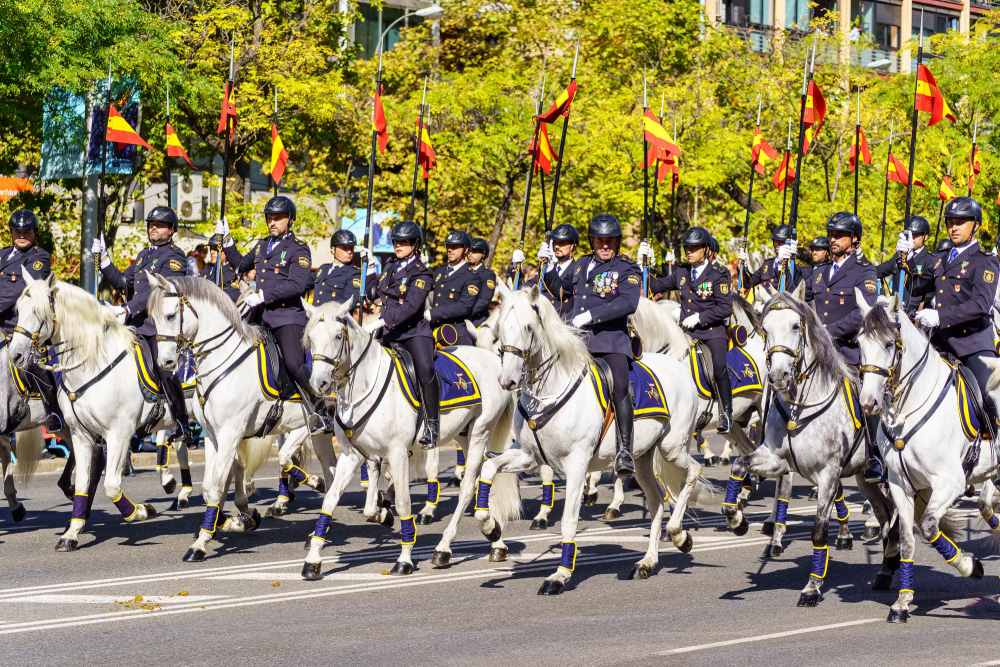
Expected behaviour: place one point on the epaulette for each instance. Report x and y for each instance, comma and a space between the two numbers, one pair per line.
628, 259
174, 247
300, 242
863, 261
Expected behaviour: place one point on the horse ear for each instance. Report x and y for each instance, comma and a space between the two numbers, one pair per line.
859, 296
800, 291
53, 280
309, 308
29, 280
535, 293
894, 306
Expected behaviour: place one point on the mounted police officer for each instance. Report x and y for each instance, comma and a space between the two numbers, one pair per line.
963, 282
607, 286
24, 254
706, 305
340, 281
456, 291
161, 257
769, 273
909, 249
831, 289
230, 281
819, 250
478, 252
561, 269
402, 289
282, 262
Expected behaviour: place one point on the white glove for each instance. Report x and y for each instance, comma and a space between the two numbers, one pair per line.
794, 245
545, 253
905, 245
645, 255
425, 258
222, 230
253, 300
785, 252
374, 325
517, 257
101, 250
582, 320
691, 321
363, 253
119, 311
670, 257
427, 314
929, 318
743, 256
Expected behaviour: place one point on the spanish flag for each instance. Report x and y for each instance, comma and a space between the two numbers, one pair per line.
785, 174
228, 110
897, 172
974, 168
425, 152
174, 148
121, 132
668, 165
946, 192
813, 114
761, 152
656, 134
929, 97
545, 155
561, 105
378, 122
866, 154
279, 156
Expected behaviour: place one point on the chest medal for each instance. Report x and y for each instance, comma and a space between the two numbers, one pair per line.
606, 283
704, 290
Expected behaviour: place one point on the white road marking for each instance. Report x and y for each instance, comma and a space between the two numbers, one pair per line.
49, 598
776, 635
295, 576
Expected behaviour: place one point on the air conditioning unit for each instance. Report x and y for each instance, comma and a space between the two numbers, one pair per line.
189, 194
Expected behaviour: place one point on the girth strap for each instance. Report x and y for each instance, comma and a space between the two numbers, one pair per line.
236, 364
74, 395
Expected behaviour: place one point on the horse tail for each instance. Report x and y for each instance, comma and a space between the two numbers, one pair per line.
253, 453
30, 445
505, 496
673, 478
502, 434
418, 460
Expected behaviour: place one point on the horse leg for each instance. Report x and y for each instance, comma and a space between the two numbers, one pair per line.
762, 462
845, 540
323, 447
375, 509
17, 510
86, 455
399, 463
987, 498
459, 466
217, 469
590, 488
829, 486
541, 520
650, 489
727, 453
167, 480
576, 477
187, 486
118, 449
294, 468
442, 552
882, 515
289, 447
779, 516
941, 499
431, 461
350, 461
614, 510
514, 460
675, 454
900, 610
246, 520
65, 481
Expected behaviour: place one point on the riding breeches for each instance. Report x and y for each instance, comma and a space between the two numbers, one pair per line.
289, 341
421, 348
169, 382
975, 363
620, 365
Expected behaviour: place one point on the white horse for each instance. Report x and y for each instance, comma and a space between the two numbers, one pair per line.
560, 422
811, 428
929, 457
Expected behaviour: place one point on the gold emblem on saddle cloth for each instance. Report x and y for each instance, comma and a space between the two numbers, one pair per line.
899, 443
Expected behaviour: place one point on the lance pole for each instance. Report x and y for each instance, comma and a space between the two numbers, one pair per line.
416, 158
788, 165
645, 188
225, 154
371, 182
753, 169
673, 202
527, 187
275, 125
807, 75
885, 199
972, 153
102, 208
857, 151
913, 119
937, 225
166, 158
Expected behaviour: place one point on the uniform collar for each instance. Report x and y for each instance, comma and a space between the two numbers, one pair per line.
453, 269
962, 248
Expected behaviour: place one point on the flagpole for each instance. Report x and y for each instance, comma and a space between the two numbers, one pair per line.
656, 173
166, 158
857, 151
673, 201
753, 170
972, 154
788, 159
276, 125
423, 248
562, 145
101, 204
416, 158
225, 156
371, 182
645, 188
885, 199
541, 172
527, 188
807, 75
937, 224
913, 121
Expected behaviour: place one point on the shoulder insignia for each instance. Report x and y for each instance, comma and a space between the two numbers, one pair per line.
174, 247
491, 284
175, 265
356, 282
37, 266
304, 262
473, 290
256, 250
988, 276
633, 279
724, 288
870, 285
683, 280
420, 283
577, 270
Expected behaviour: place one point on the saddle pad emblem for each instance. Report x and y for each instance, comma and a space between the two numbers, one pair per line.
743, 371
648, 400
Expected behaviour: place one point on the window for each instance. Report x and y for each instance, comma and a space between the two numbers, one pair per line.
881, 21
366, 31
934, 23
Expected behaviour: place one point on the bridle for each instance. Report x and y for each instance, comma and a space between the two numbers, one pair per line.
340, 378
187, 344
795, 353
528, 375
36, 342
897, 389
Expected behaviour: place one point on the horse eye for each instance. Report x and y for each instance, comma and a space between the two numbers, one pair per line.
795, 327
171, 317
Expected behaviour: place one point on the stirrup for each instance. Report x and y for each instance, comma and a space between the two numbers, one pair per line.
429, 439
624, 463
725, 424
54, 423
874, 471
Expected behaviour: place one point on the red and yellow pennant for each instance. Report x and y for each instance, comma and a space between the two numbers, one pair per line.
866, 154
279, 156
785, 175
813, 114
761, 152
656, 134
946, 192
561, 106
120, 132
545, 155
425, 153
929, 97
974, 168
897, 172
379, 125
174, 148
228, 111
668, 164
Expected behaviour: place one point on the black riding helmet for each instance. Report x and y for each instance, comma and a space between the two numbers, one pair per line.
943, 245
280, 204
343, 237
163, 214
566, 232
696, 236
480, 245
782, 233
820, 243
604, 225
964, 207
407, 230
917, 224
23, 219
845, 221
713, 245
458, 237
213, 241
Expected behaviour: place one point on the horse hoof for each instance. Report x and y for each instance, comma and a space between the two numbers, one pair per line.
442, 558
388, 520
18, 513
384, 501
401, 569
424, 519
898, 616
67, 491
814, 494
687, 545
194, 556
170, 487
845, 543
970, 491
724, 462
320, 485
639, 571
871, 532
772, 551
273, 512
808, 600
977, 569
710, 462
499, 554
866, 509
254, 519
589, 499
66, 545
176, 505
883, 582
767, 528
551, 587
742, 529
540, 524
310, 571
611, 514
454, 483
495, 534
150, 510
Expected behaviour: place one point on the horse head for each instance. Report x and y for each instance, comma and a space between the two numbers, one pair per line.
519, 327
36, 318
785, 332
176, 320
328, 336
881, 349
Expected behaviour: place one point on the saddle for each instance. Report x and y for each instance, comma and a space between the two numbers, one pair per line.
149, 382
604, 373
701, 369
407, 361
276, 366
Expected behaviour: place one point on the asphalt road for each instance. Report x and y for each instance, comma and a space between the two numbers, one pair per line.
247, 604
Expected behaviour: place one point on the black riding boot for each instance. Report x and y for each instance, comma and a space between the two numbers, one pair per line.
625, 415
725, 386
431, 396
324, 422
45, 384
874, 469
171, 385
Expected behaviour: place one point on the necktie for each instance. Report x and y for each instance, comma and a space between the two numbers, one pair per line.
953, 255
834, 271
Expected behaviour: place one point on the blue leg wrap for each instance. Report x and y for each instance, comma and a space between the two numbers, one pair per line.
993, 521
483, 494
747, 483
186, 482
459, 458
125, 506
781, 515
364, 471
433, 491
548, 494
568, 560
211, 518
821, 557
905, 575
283, 491
945, 547
409, 530
80, 506
296, 473
162, 456
733, 490
843, 513
322, 526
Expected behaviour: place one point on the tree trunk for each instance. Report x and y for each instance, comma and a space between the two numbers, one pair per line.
736, 192
501, 219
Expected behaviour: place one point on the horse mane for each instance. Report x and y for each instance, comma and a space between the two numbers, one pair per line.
877, 324
79, 314
210, 294
331, 310
659, 331
829, 364
747, 311
565, 342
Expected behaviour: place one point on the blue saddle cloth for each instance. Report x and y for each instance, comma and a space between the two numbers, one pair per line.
850, 399
971, 425
648, 399
743, 371
458, 388
266, 376
19, 382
